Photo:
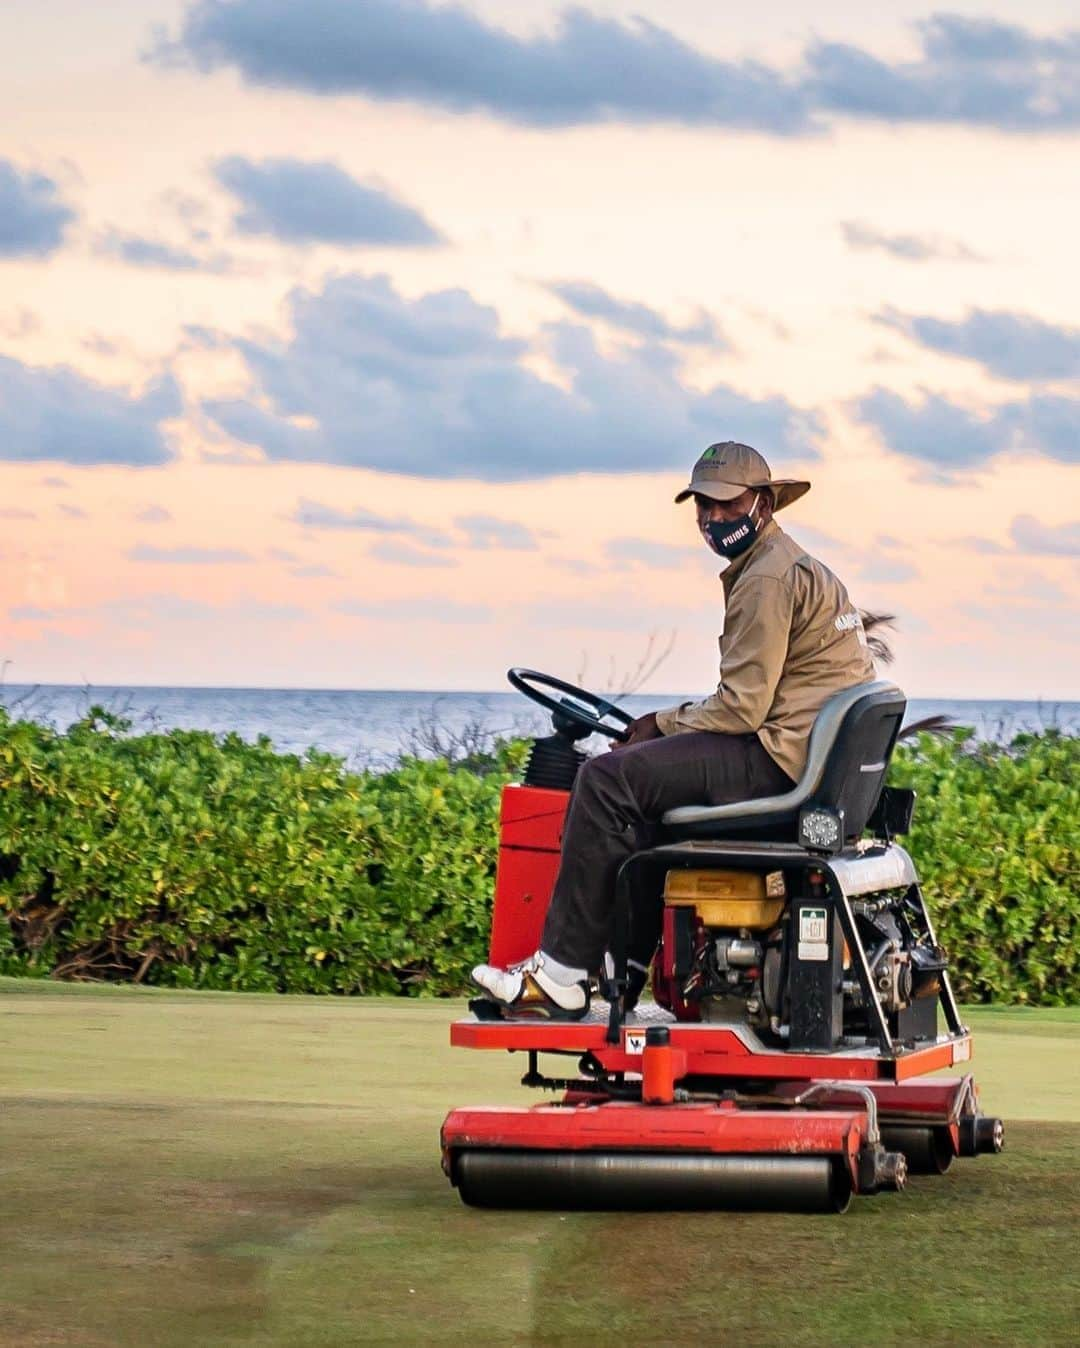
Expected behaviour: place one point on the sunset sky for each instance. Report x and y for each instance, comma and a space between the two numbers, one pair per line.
365, 343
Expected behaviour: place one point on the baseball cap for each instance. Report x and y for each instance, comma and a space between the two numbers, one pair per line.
727, 469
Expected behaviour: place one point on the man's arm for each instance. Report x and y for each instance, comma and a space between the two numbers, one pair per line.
753, 649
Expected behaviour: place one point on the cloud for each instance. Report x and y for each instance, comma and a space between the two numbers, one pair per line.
187, 556
33, 217
953, 439
200, 338
306, 202
485, 531
153, 610
479, 531
16, 513
1045, 540
1013, 346
54, 413
646, 552
431, 388
415, 610
1034, 590
154, 514
592, 302
887, 571
588, 69
150, 610
969, 72
54, 482
988, 547
22, 323
311, 571
100, 345
1029, 537
1017, 622
403, 554
138, 251
281, 555
608, 613
575, 565
72, 512
314, 515
818, 538
909, 247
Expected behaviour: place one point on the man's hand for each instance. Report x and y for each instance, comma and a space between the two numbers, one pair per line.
644, 728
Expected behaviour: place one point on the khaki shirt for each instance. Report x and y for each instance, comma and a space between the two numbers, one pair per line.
791, 639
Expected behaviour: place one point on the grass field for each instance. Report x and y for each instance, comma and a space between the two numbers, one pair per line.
215, 1169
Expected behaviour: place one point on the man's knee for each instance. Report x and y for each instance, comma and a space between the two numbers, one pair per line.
600, 779
596, 770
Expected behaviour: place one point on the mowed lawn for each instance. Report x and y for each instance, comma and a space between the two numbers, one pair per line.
199, 1168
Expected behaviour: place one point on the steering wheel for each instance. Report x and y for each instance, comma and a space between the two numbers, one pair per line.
588, 719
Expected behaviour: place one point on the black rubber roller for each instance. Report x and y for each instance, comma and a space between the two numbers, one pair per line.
613, 1181
929, 1151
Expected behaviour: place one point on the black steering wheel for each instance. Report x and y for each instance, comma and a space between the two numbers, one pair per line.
587, 719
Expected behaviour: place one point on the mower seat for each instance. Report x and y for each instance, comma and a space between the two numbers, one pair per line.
848, 756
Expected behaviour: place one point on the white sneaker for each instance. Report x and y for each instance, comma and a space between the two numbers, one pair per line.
526, 991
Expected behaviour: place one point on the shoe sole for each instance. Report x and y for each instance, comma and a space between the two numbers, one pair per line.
507, 1010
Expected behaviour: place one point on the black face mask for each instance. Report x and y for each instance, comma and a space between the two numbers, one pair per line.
731, 538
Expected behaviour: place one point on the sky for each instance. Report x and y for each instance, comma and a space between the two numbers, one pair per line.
365, 343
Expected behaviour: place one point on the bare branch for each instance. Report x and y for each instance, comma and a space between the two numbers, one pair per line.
876, 642
929, 725
473, 743
624, 684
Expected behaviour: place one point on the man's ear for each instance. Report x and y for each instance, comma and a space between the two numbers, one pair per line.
766, 504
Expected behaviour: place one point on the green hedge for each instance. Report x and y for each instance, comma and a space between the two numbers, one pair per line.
192, 861
996, 839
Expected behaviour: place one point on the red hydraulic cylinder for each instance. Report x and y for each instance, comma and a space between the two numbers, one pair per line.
530, 836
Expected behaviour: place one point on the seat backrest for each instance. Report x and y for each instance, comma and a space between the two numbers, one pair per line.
858, 758
847, 758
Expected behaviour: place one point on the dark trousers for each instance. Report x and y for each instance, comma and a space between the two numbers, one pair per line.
616, 799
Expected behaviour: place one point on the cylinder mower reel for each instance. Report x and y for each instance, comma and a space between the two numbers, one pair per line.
783, 1058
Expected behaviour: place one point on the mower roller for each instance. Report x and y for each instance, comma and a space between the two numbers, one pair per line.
784, 1060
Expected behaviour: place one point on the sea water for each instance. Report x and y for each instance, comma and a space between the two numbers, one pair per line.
372, 728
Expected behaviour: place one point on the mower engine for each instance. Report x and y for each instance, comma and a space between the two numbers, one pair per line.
728, 944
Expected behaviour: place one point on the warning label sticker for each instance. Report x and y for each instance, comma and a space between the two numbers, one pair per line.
813, 934
634, 1042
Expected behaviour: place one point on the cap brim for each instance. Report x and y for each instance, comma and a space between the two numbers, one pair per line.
715, 491
786, 490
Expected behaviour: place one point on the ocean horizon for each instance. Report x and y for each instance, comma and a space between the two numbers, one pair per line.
374, 727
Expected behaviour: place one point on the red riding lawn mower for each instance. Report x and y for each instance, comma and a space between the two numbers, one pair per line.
786, 1059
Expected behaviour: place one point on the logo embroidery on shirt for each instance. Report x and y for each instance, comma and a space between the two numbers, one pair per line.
847, 621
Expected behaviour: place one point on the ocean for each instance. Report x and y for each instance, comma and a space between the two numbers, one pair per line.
372, 728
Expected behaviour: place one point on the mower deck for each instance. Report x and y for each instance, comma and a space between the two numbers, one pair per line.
711, 1117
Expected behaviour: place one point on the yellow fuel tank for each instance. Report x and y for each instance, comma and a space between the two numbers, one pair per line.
729, 898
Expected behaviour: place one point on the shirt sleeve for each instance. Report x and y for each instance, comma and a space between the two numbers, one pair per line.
753, 649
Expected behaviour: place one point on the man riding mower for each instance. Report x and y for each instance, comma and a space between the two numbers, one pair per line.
795, 973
